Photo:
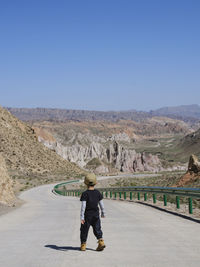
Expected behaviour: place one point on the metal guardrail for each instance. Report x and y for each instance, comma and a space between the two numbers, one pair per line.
128, 192
60, 188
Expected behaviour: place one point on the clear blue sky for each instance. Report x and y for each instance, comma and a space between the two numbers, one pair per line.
99, 54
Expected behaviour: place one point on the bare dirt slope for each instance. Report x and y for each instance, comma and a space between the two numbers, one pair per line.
6, 185
190, 144
25, 155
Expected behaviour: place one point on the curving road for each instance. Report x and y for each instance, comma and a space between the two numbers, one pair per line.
45, 232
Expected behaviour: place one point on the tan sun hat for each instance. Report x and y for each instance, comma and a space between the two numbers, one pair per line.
90, 179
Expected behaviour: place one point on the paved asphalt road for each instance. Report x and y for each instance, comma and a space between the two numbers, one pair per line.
45, 232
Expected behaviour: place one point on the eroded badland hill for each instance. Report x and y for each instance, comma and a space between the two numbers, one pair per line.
27, 158
107, 142
125, 145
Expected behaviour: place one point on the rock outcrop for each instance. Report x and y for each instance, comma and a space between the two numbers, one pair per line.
110, 153
194, 164
192, 174
7, 195
130, 161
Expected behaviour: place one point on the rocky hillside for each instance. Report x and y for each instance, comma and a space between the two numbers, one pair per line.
23, 153
105, 146
104, 158
190, 144
6, 185
109, 141
123, 130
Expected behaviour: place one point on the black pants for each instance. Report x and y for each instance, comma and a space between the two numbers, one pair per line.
95, 222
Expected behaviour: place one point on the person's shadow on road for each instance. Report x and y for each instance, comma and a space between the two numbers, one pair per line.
65, 248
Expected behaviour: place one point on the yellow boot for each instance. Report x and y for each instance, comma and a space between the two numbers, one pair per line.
83, 247
101, 245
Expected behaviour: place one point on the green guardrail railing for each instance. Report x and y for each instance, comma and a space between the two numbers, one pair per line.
61, 189
129, 193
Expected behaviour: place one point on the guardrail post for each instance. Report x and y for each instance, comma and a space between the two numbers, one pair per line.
177, 202
165, 200
190, 205
178, 193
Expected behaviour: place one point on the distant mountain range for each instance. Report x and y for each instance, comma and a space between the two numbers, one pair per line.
187, 113
39, 114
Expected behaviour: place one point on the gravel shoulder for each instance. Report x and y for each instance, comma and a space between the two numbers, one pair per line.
6, 209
